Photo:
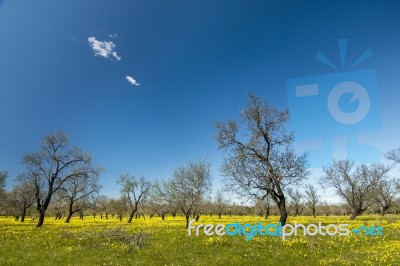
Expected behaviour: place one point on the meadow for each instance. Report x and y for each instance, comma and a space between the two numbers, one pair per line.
96, 241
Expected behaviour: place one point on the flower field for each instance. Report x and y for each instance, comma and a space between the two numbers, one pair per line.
96, 241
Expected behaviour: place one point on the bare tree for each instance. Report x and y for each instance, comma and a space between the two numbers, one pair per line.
9, 206
50, 168
58, 206
394, 155
198, 209
326, 207
387, 191
103, 203
312, 198
230, 207
133, 189
24, 195
188, 187
3, 178
396, 206
157, 203
83, 206
263, 206
355, 184
118, 206
77, 188
295, 198
261, 157
220, 204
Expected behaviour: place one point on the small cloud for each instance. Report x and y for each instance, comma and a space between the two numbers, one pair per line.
104, 49
132, 81
114, 36
116, 56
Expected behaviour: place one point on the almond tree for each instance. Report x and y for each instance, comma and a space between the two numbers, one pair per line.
24, 196
326, 208
265, 205
261, 157
78, 188
52, 166
133, 190
3, 177
387, 191
118, 206
220, 204
394, 155
295, 198
157, 203
188, 187
103, 203
312, 198
357, 185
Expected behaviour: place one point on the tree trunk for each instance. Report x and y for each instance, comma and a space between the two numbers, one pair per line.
187, 220
383, 210
23, 214
70, 212
131, 216
68, 217
41, 218
282, 211
355, 214
266, 213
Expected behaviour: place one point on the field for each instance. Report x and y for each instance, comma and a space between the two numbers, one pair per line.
156, 242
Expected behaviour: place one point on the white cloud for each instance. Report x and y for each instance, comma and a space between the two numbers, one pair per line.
132, 81
116, 56
104, 49
114, 36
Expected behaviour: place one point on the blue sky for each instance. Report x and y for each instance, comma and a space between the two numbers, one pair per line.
196, 61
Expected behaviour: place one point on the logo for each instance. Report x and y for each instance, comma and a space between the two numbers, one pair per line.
274, 230
331, 113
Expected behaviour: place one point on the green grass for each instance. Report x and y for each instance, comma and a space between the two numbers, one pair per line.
157, 242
